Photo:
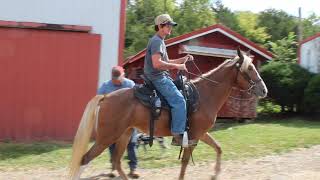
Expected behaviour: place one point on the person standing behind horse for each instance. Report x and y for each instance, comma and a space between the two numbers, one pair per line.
156, 66
119, 81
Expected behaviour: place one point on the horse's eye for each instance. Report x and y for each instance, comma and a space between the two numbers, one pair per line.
250, 68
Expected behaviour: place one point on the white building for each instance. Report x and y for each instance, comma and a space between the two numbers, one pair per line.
309, 54
106, 17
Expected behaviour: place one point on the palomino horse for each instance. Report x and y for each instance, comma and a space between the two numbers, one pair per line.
113, 116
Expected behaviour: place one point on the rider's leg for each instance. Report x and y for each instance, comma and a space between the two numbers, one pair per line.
177, 103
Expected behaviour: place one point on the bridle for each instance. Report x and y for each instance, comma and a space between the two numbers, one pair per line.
251, 82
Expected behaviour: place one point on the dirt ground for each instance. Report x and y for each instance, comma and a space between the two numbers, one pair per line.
300, 164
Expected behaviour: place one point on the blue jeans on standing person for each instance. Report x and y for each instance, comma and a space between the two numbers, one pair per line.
131, 149
175, 99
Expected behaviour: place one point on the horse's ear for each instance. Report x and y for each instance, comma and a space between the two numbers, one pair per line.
248, 52
240, 56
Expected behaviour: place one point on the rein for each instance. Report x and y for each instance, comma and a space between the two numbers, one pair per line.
251, 82
204, 78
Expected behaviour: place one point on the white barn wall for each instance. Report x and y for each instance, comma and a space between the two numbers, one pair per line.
310, 55
102, 15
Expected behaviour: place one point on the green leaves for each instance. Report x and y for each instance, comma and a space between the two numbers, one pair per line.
285, 50
278, 23
192, 15
248, 23
286, 83
225, 16
312, 95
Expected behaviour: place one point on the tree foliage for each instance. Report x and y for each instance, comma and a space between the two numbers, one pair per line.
286, 83
285, 50
248, 23
192, 15
225, 16
312, 95
278, 23
309, 27
140, 21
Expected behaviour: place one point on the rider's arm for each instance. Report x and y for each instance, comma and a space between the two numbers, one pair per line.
178, 61
158, 63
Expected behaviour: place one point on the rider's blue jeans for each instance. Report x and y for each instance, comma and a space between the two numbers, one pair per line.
176, 101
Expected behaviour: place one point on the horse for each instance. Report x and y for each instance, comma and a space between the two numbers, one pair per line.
113, 116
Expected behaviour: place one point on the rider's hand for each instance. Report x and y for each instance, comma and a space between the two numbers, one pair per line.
181, 67
187, 58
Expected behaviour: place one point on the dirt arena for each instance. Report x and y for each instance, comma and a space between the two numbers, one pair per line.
300, 164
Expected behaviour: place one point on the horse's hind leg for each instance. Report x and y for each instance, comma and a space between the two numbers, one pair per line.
206, 138
94, 151
184, 161
120, 148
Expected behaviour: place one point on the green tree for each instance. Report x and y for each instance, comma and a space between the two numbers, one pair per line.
278, 23
140, 22
225, 16
192, 15
248, 23
312, 95
285, 50
309, 27
286, 83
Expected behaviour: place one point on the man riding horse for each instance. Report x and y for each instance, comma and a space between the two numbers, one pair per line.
114, 116
156, 66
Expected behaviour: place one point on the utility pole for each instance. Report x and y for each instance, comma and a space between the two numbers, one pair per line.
300, 28
165, 6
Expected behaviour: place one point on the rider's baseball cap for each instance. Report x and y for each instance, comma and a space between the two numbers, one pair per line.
164, 19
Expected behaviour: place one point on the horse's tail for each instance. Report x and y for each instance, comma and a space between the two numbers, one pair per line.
84, 132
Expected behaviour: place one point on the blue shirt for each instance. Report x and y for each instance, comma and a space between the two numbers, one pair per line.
108, 87
156, 45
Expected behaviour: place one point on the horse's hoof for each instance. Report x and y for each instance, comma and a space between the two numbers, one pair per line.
214, 177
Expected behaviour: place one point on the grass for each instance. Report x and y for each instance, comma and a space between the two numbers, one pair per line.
263, 137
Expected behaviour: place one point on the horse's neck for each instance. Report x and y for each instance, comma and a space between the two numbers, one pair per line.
213, 96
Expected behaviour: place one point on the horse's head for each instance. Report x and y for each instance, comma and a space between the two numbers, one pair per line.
248, 77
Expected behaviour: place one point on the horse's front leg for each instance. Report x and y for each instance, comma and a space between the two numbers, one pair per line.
206, 138
185, 160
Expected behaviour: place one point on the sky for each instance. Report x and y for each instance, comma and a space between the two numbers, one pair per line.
289, 6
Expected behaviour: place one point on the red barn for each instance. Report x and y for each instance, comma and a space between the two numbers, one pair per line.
48, 74
210, 47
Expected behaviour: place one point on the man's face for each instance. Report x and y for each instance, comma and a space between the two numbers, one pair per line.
117, 77
166, 30
118, 81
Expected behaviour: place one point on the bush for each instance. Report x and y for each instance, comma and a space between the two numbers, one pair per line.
312, 95
286, 83
266, 106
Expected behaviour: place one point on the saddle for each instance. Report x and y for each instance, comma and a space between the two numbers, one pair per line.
148, 95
